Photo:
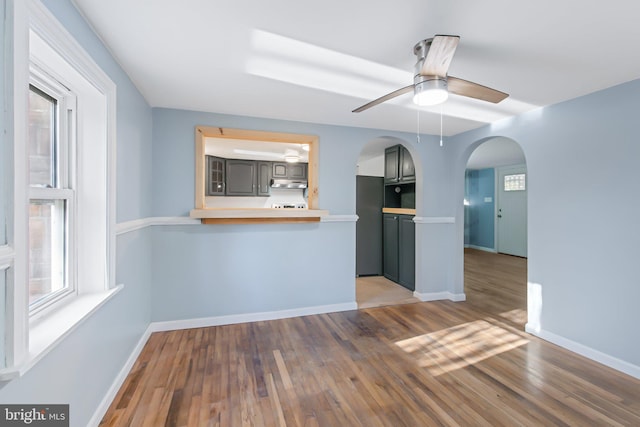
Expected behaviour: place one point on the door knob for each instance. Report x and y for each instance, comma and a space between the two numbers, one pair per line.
499, 216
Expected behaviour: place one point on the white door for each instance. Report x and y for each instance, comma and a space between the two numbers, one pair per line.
512, 210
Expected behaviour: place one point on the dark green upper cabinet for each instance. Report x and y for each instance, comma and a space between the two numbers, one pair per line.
290, 171
241, 177
280, 170
297, 171
215, 177
407, 168
236, 177
391, 164
264, 178
398, 165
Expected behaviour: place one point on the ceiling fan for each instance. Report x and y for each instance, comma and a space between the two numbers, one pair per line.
431, 84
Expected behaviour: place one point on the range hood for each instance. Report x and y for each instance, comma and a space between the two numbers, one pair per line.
288, 183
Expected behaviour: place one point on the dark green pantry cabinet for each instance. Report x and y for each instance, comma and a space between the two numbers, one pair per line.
215, 176
390, 240
407, 252
399, 249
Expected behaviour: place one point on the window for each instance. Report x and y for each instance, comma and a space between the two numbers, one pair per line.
516, 182
58, 264
51, 196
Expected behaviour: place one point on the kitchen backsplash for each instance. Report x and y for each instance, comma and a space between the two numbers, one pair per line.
285, 196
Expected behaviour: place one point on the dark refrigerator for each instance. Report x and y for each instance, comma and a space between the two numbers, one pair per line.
369, 202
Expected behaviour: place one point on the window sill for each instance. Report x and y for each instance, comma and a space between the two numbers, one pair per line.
49, 330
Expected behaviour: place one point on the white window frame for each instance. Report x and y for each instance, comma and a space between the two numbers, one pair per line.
43, 80
29, 337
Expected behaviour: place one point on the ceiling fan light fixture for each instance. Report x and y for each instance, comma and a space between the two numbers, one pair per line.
430, 92
291, 159
291, 156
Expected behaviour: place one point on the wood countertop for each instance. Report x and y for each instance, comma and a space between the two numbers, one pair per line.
399, 211
257, 215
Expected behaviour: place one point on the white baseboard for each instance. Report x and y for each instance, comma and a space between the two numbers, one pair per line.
588, 352
119, 380
434, 220
203, 322
482, 248
435, 296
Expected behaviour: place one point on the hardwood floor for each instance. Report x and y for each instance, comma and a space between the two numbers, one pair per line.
422, 364
497, 283
377, 291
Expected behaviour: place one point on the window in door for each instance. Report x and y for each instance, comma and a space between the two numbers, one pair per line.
515, 182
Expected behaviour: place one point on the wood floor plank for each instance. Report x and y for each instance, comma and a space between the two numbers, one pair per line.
434, 363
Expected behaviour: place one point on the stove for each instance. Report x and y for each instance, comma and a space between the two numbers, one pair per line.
289, 206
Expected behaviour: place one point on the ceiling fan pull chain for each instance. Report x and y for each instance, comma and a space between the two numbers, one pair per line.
418, 126
441, 125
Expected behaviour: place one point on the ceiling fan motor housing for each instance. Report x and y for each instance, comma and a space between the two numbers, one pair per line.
429, 89
421, 48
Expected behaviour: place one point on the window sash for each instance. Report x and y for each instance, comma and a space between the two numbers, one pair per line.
48, 253
52, 275
43, 149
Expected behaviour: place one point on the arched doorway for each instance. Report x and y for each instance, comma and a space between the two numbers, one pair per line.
385, 232
495, 229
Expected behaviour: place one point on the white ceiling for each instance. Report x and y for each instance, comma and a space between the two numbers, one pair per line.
317, 61
254, 150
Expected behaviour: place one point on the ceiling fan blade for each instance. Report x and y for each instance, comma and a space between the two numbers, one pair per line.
384, 98
474, 90
439, 56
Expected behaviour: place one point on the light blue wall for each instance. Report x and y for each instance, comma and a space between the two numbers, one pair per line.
583, 215
5, 166
480, 217
3, 293
216, 270
340, 147
5, 157
80, 370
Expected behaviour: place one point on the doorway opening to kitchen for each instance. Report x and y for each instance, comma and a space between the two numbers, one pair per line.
495, 229
385, 231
